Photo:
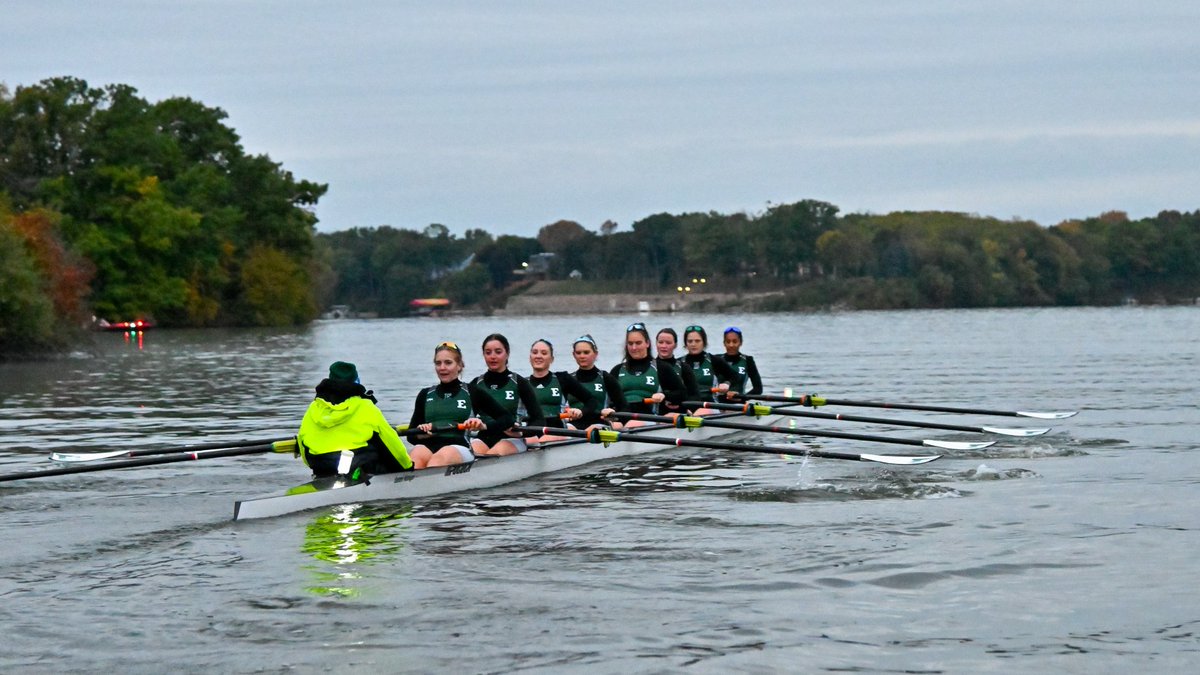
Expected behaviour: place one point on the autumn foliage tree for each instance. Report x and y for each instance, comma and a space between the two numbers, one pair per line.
159, 203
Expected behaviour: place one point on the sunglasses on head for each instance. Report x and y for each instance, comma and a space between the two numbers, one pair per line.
635, 326
586, 338
733, 329
447, 345
689, 329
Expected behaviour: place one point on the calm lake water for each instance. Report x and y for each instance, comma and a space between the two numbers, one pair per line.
1071, 552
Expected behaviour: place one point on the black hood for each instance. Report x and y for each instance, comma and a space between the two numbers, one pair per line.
336, 391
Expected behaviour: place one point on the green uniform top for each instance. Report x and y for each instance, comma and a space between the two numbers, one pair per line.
747, 379
550, 396
641, 378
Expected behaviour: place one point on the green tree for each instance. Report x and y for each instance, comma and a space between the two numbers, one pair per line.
277, 289
786, 235
138, 243
468, 287
505, 255
27, 320
716, 245
161, 194
660, 238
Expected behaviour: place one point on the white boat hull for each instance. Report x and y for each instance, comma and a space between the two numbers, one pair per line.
485, 472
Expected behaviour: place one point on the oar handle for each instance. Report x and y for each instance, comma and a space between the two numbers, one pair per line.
406, 431
811, 400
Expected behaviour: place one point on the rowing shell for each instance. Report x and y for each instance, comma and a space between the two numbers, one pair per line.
484, 472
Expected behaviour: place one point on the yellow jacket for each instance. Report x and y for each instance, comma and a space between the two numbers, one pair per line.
349, 425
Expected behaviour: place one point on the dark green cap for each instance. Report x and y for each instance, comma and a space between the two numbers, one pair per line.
341, 371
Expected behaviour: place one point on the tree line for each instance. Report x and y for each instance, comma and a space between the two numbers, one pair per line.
117, 207
807, 251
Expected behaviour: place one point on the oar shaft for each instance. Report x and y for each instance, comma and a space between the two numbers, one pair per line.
202, 447
284, 445
722, 424
911, 406
879, 420
142, 461
814, 400
609, 436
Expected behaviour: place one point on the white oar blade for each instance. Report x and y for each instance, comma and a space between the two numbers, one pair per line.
959, 445
1048, 415
1007, 431
899, 459
85, 456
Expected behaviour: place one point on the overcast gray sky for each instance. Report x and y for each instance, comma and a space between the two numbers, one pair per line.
511, 115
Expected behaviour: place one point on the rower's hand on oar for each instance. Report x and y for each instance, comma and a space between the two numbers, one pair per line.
607, 414
656, 397
474, 424
570, 414
426, 428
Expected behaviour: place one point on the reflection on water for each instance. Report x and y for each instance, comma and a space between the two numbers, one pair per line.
135, 337
345, 538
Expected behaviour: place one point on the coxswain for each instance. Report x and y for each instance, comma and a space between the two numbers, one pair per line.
344, 432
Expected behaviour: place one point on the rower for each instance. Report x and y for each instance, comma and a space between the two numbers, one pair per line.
450, 402
344, 432
513, 393
644, 378
742, 364
552, 390
710, 372
601, 386
665, 343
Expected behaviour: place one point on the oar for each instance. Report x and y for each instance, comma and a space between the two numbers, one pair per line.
288, 445
689, 422
1004, 431
68, 457
602, 435
814, 400
279, 446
